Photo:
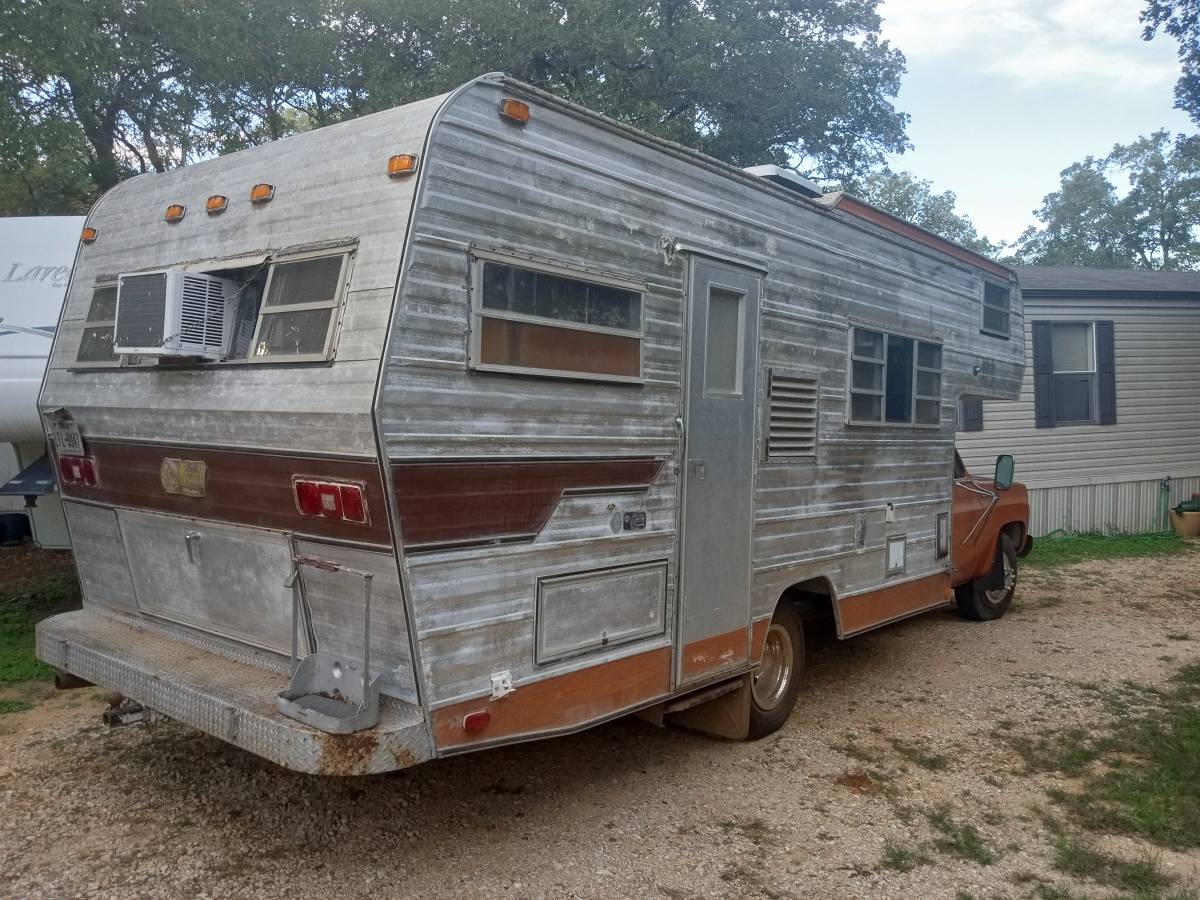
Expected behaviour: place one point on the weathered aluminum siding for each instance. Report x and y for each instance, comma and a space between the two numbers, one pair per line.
329, 184
572, 188
1106, 477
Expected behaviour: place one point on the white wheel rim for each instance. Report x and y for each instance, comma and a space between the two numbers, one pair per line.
773, 677
1010, 581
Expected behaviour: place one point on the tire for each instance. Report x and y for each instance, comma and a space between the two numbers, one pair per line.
775, 685
975, 602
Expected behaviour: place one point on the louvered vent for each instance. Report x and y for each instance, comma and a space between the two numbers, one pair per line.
141, 310
791, 416
202, 314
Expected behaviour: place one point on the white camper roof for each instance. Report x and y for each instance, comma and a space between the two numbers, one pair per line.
36, 255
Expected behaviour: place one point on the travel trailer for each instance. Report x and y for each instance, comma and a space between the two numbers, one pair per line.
488, 418
36, 254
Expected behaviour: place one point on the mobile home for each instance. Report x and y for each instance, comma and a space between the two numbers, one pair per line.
488, 418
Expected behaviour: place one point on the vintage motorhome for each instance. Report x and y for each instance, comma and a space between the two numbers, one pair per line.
488, 418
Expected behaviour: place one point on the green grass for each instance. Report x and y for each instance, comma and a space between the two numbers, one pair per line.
19, 612
934, 762
902, 859
961, 839
1052, 552
1078, 857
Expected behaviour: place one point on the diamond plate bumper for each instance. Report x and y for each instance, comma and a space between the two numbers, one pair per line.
231, 700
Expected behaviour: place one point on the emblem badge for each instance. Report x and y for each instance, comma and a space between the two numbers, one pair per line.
184, 476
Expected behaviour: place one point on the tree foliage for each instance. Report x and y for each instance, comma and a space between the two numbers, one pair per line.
1181, 20
1152, 225
914, 200
97, 90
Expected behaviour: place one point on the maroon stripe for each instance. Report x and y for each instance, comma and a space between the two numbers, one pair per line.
241, 487
446, 503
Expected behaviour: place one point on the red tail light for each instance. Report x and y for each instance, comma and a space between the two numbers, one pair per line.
78, 470
331, 500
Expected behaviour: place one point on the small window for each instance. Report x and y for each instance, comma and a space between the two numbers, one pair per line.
894, 379
96, 343
996, 298
723, 343
897, 548
298, 314
548, 322
1074, 358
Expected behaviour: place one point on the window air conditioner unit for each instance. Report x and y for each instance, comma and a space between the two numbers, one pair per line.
175, 313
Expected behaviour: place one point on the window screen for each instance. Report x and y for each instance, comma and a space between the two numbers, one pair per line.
722, 343
96, 342
996, 309
894, 379
298, 314
549, 323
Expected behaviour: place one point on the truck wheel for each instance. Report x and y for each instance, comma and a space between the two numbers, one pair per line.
982, 605
776, 683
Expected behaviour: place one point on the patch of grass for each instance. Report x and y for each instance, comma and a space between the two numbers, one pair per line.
1050, 553
1151, 783
903, 859
961, 839
18, 615
934, 762
1071, 751
1079, 857
14, 706
1179, 636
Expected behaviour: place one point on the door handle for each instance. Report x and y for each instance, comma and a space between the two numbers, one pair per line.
187, 540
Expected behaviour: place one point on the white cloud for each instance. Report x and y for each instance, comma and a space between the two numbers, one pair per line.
1031, 42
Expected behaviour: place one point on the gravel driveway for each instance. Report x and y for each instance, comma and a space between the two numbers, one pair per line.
894, 730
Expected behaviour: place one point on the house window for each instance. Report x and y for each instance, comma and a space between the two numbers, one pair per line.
96, 343
549, 321
894, 379
1074, 359
1074, 373
298, 315
996, 299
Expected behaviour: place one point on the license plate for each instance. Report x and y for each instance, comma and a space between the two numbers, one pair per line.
66, 437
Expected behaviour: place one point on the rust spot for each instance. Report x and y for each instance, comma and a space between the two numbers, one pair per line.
857, 783
348, 754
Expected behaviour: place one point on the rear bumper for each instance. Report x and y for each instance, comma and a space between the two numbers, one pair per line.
231, 700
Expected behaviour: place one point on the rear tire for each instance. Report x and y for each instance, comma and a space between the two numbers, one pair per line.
775, 684
978, 603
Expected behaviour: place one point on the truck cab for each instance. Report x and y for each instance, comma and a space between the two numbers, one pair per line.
990, 532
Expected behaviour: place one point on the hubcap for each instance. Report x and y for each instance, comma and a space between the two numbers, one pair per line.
773, 677
1010, 581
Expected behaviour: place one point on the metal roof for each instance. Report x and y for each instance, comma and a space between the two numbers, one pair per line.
1133, 283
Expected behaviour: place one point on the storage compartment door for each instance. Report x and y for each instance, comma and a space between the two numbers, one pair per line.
217, 578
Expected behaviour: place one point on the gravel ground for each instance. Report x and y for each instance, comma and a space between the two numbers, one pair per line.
627, 809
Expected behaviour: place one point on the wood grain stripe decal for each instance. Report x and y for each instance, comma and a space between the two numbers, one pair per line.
716, 653
459, 502
241, 487
887, 604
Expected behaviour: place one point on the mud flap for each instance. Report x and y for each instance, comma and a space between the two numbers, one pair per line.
725, 716
994, 579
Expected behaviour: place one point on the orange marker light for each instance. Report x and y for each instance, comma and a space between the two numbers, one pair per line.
261, 193
514, 110
88, 235
216, 204
402, 164
175, 212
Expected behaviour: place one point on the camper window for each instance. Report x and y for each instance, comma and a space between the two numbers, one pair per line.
298, 314
544, 320
96, 343
894, 379
995, 309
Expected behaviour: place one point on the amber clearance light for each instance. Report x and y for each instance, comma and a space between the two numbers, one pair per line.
402, 164
216, 204
88, 235
262, 193
514, 110
175, 212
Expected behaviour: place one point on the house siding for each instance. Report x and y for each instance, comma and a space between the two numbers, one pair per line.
1108, 477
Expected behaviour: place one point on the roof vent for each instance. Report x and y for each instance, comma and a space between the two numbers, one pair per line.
787, 178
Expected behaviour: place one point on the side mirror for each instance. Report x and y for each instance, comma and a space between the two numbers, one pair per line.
1003, 478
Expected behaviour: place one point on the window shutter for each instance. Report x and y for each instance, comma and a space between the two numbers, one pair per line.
791, 416
1106, 374
1043, 375
971, 414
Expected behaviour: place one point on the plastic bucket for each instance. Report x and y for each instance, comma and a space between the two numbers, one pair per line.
1186, 524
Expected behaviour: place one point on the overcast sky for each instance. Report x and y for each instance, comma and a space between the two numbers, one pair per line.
1004, 94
